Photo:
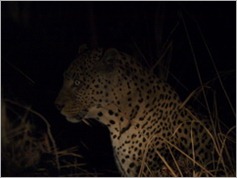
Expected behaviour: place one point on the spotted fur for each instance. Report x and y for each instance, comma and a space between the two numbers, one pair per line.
144, 115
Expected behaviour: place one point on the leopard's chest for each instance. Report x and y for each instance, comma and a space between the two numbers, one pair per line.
128, 155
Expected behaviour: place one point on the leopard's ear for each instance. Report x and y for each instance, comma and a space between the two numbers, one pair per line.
82, 48
109, 59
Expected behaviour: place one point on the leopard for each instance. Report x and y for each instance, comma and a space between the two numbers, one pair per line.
151, 129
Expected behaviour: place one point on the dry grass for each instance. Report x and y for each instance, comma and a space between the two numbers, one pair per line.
26, 151
28, 146
223, 162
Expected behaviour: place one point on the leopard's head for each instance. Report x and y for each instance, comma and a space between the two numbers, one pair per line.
89, 81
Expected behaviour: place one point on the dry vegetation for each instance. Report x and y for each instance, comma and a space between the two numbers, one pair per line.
28, 146
224, 160
29, 149
223, 163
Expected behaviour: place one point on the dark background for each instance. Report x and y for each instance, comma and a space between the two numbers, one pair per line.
40, 39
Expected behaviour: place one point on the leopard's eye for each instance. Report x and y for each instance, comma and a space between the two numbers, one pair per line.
77, 82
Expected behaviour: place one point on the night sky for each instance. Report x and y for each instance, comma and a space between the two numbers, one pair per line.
40, 39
